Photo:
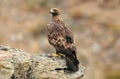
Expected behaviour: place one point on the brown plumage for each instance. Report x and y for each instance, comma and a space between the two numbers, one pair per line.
61, 37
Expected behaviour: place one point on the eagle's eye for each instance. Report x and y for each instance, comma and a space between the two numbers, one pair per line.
54, 10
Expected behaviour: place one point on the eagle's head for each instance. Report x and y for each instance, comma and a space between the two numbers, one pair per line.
55, 11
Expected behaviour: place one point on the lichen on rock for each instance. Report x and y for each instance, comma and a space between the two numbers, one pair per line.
17, 64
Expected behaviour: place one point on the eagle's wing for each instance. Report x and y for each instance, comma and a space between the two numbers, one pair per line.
68, 35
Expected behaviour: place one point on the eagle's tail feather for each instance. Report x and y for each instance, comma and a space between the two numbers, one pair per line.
72, 62
75, 58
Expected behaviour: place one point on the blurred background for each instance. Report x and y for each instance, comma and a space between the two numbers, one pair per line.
96, 25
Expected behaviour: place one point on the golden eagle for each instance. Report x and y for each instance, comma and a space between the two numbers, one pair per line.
61, 37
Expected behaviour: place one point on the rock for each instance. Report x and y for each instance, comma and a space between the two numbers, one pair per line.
17, 64
6, 67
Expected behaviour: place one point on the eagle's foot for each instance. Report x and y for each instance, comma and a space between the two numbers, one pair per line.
61, 55
56, 55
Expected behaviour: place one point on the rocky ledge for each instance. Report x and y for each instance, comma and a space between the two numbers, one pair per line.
17, 64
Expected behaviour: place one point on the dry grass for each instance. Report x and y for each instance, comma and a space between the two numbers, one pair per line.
113, 75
